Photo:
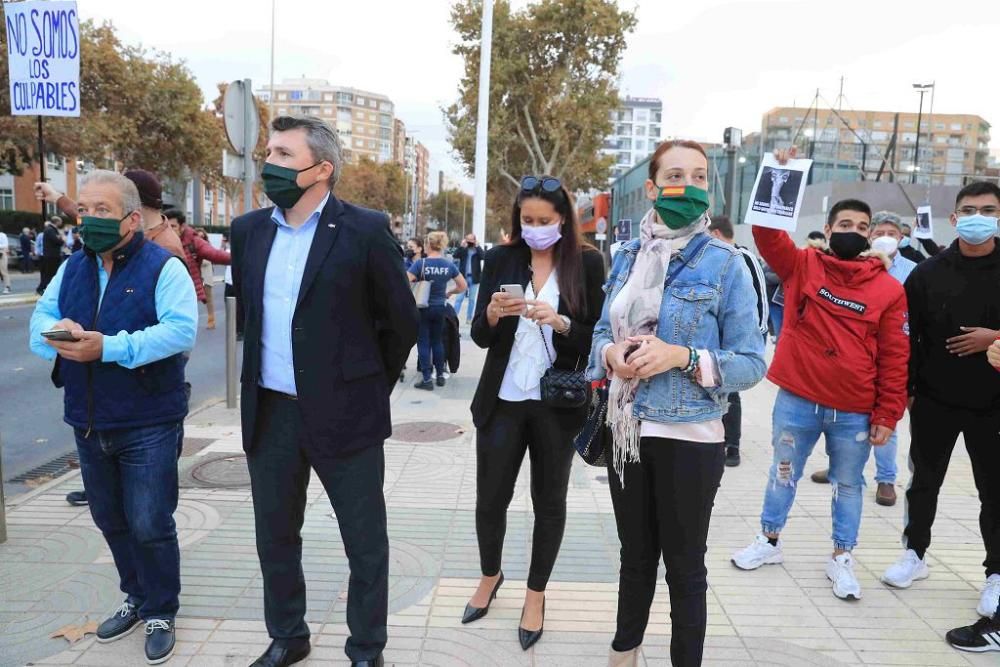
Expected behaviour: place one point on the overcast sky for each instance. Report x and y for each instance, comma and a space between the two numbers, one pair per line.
715, 63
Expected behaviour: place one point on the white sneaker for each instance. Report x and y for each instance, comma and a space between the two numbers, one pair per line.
840, 570
906, 570
760, 552
989, 601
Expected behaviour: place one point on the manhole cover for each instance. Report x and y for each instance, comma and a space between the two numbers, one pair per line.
223, 472
426, 431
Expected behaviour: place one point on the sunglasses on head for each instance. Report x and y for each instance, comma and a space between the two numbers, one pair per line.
546, 184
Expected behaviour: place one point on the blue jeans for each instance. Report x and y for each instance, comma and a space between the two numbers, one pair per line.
471, 294
130, 476
797, 424
430, 341
777, 317
885, 461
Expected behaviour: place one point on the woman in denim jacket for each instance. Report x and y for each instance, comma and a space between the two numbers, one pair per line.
672, 354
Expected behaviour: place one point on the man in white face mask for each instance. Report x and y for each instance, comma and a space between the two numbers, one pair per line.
886, 235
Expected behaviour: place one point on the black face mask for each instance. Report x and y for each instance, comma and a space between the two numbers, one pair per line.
410, 253
471, 244
848, 245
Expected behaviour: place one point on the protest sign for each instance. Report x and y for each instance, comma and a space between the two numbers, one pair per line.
777, 194
43, 55
923, 230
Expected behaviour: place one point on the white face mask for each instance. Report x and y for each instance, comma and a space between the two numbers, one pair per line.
887, 245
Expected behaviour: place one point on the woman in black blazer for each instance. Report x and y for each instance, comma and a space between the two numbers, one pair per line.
552, 324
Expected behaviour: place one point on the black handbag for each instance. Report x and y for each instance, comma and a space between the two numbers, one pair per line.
594, 441
562, 388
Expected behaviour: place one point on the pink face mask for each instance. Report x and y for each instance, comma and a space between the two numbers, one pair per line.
542, 237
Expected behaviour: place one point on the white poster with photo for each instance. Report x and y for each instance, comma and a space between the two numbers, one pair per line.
778, 193
923, 228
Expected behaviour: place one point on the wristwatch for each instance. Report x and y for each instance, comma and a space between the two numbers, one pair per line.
568, 322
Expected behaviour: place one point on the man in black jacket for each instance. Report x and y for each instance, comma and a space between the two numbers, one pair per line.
909, 251
954, 316
52, 244
469, 258
329, 322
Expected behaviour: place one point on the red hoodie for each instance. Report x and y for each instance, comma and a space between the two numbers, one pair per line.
843, 342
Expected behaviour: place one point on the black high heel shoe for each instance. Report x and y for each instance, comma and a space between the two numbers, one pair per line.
475, 613
529, 638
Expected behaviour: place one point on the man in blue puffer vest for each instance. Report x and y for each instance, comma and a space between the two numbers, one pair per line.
131, 311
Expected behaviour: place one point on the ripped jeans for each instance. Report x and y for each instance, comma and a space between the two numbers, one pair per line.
797, 425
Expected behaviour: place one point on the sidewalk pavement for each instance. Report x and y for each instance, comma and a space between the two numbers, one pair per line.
55, 570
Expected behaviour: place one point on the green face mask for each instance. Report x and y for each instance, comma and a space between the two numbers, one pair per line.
101, 234
281, 186
679, 206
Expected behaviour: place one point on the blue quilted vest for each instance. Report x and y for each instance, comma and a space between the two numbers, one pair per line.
103, 396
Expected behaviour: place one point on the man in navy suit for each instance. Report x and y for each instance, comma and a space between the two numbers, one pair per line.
329, 322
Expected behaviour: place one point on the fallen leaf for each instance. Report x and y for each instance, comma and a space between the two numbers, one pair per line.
74, 633
36, 482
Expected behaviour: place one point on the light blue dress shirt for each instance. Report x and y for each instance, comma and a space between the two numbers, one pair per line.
176, 308
282, 280
901, 267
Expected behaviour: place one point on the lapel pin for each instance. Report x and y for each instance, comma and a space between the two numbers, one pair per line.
331, 225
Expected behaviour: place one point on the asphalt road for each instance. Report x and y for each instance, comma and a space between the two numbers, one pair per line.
31, 408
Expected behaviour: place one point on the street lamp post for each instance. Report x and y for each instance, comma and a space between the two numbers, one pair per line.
920, 88
483, 121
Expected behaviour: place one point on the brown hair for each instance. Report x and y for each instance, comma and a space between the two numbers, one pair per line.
654, 162
568, 251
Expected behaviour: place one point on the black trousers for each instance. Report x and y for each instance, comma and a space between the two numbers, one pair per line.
732, 421
664, 510
935, 429
279, 463
47, 268
514, 428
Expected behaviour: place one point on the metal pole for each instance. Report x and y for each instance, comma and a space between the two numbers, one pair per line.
270, 97
230, 352
916, 148
41, 160
248, 167
728, 209
483, 121
930, 140
3, 507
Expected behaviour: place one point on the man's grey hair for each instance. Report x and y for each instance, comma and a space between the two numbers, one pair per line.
129, 193
887, 218
322, 139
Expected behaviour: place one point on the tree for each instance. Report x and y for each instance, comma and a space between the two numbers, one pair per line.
139, 108
552, 92
379, 186
446, 208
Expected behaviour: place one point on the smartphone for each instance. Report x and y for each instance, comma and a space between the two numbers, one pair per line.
60, 335
516, 291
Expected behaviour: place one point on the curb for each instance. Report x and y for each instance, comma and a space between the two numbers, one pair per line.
18, 300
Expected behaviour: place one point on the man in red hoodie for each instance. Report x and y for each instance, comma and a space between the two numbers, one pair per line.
841, 366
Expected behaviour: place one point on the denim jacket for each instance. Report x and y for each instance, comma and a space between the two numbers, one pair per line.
711, 305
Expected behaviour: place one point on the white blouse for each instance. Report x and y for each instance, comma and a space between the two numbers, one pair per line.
528, 358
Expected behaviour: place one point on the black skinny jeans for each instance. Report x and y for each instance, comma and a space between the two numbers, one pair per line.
664, 510
514, 428
935, 429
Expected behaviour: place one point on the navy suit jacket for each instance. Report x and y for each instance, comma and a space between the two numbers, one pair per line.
353, 327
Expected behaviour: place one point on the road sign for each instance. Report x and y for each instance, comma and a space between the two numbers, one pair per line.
238, 109
602, 225
600, 237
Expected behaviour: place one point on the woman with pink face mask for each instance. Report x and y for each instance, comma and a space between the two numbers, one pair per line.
543, 317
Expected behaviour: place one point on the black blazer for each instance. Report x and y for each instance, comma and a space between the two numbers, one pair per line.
506, 265
353, 327
477, 261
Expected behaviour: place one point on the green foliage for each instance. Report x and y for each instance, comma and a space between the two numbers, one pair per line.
379, 186
136, 107
553, 87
